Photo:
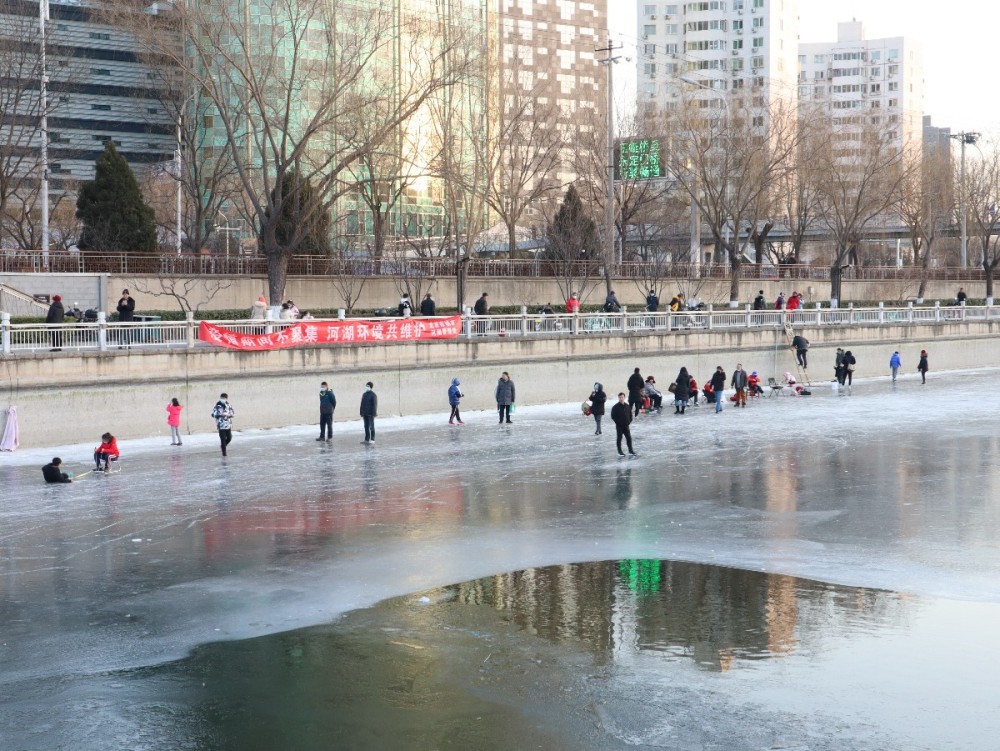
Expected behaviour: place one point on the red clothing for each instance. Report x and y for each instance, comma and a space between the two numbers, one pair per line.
693, 385
174, 415
753, 381
572, 305
110, 448
793, 303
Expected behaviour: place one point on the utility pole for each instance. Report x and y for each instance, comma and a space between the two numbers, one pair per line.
43, 105
964, 138
609, 213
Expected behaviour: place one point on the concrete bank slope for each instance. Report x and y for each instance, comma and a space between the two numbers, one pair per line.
69, 397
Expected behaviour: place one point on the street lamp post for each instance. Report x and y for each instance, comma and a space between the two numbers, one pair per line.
180, 169
964, 138
43, 105
609, 214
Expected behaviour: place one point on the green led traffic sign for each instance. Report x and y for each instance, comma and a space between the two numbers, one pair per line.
639, 159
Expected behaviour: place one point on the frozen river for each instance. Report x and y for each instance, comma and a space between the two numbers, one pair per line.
893, 489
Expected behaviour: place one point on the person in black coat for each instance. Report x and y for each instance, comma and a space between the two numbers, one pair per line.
652, 301
621, 413
56, 315
504, 395
428, 306
922, 366
126, 313
718, 386
369, 411
801, 345
636, 384
53, 473
849, 363
682, 391
597, 401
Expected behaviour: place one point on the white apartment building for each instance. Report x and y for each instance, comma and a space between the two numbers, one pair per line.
866, 82
711, 50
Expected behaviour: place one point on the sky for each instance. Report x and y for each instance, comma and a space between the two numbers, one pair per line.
958, 40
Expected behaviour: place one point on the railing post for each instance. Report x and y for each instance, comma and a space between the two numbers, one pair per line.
850, 312
881, 313
747, 310
624, 318
189, 316
963, 310
5, 335
268, 318
102, 331
909, 312
467, 324
524, 320
989, 309
575, 325
819, 314
711, 323
937, 311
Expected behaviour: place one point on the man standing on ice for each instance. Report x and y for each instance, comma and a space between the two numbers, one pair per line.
621, 414
327, 403
223, 413
369, 411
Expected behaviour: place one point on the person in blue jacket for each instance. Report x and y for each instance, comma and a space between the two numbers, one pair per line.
895, 364
454, 397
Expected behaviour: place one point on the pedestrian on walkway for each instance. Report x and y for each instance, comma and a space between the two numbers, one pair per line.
652, 301
174, 421
739, 383
428, 307
573, 303
961, 297
454, 397
404, 310
258, 309
369, 411
895, 364
621, 414
801, 345
635, 385
482, 306
224, 413
56, 315
718, 386
760, 302
922, 366
597, 401
327, 404
505, 397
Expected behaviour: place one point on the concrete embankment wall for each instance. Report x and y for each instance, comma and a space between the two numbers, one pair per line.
212, 293
70, 398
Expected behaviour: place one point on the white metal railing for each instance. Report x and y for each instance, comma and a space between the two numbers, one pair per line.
151, 334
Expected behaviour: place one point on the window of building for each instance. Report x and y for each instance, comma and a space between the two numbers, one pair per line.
875, 55
649, 49
892, 55
757, 82
757, 61
876, 104
737, 44
650, 29
672, 28
758, 23
100, 35
875, 88
819, 59
152, 111
893, 102
672, 10
893, 86
819, 75
737, 4
802, 59
876, 72
649, 10
670, 49
64, 99
738, 84
100, 72
758, 121
103, 107
738, 27
893, 70
648, 68
758, 42
62, 27
738, 64
758, 3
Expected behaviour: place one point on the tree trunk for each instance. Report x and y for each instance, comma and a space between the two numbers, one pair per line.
277, 273
511, 239
925, 264
735, 263
836, 275
988, 268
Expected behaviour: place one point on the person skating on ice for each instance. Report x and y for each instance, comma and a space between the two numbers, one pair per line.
454, 398
621, 414
369, 411
224, 413
597, 401
922, 366
174, 421
718, 386
505, 397
895, 363
327, 404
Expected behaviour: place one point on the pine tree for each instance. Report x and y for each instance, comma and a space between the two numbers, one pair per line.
308, 235
115, 217
572, 234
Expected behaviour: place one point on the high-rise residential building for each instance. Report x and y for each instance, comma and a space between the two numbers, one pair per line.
714, 50
865, 82
100, 88
549, 50
935, 139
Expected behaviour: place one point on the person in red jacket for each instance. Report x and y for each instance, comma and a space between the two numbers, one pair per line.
106, 452
693, 388
753, 384
573, 304
793, 302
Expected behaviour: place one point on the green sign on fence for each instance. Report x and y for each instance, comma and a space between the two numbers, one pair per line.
639, 159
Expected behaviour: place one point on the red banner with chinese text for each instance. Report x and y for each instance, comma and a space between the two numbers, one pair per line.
318, 333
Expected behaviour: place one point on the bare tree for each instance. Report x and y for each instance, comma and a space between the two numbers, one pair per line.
730, 160
862, 174
524, 148
190, 294
982, 202
20, 117
924, 207
290, 93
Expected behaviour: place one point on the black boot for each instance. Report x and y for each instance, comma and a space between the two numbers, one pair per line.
682, 410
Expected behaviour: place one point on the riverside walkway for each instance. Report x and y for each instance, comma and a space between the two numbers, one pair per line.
39, 339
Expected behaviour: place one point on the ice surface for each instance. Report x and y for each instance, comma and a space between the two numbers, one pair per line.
893, 487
